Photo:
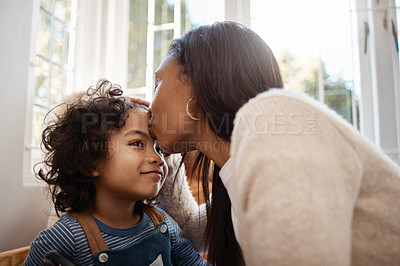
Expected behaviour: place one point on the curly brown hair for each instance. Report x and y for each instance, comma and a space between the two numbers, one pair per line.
77, 140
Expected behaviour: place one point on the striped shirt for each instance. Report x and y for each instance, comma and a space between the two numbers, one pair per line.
67, 237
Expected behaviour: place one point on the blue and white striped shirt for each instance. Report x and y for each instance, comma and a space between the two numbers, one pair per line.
67, 237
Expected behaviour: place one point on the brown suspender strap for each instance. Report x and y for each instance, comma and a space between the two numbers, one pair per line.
92, 231
155, 215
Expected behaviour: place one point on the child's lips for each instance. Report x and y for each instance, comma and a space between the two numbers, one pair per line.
156, 174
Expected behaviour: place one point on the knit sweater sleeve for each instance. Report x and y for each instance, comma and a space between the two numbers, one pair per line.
176, 198
294, 185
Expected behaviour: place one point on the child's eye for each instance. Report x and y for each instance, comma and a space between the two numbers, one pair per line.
137, 143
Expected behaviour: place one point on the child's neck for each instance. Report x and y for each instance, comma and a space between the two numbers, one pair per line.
116, 215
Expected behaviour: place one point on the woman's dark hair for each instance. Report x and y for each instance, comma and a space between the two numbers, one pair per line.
76, 141
227, 64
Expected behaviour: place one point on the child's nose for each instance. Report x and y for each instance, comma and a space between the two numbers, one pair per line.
155, 157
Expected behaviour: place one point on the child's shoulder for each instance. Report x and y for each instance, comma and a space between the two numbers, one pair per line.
171, 223
165, 214
69, 221
60, 236
66, 225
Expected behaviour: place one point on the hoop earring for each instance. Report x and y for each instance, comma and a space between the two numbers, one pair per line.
187, 110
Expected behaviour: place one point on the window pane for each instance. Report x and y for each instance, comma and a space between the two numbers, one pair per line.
66, 46
137, 44
58, 43
338, 97
315, 51
69, 10
42, 82
204, 12
185, 17
43, 37
57, 88
46, 4
60, 9
164, 12
52, 49
299, 76
37, 125
162, 39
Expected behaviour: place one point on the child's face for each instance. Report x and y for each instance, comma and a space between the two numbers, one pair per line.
135, 168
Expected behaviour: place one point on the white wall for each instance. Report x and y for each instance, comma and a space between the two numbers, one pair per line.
22, 209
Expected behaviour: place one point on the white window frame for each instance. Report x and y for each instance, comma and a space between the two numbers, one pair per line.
33, 155
152, 29
376, 73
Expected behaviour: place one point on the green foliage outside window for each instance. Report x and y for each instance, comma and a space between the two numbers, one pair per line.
137, 46
305, 78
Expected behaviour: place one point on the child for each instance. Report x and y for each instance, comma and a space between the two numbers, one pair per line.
103, 168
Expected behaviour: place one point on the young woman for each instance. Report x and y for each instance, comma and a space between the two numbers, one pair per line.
102, 165
293, 183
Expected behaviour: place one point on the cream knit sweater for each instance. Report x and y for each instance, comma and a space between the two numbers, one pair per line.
307, 188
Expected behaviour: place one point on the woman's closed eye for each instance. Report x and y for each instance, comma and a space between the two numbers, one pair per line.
156, 83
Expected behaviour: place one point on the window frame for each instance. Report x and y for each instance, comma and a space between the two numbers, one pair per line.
152, 29
379, 87
378, 75
33, 155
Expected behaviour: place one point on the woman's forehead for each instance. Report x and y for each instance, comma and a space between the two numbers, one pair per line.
168, 64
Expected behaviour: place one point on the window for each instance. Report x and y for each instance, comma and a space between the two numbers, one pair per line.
312, 42
150, 27
52, 65
153, 25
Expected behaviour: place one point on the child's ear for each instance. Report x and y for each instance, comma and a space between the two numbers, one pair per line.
95, 169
